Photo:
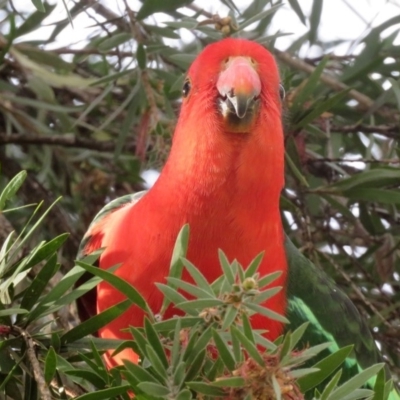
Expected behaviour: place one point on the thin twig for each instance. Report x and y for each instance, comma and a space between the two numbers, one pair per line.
367, 161
37, 370
197, 9
69, 391
64, 50
392, 131
64, 141
356, 290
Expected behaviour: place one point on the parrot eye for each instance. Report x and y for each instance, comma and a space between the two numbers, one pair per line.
186, 88
282, 92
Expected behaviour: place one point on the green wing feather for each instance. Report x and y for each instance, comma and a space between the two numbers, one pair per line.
87, 303
108, 209
315, 298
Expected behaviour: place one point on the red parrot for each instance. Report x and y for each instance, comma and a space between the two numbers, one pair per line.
223, 177
227, 144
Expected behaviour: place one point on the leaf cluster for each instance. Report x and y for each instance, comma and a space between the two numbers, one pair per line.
211, 351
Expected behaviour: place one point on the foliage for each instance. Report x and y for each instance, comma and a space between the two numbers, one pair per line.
211, 352
108, 104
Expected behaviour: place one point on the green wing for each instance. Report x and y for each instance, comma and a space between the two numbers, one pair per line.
108, 209
87, 303
315, 298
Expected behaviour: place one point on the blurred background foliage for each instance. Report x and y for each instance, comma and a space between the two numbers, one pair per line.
89, 99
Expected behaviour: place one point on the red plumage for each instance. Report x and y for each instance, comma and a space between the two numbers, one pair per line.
223, 177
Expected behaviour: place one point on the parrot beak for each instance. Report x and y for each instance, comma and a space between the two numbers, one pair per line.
239, 87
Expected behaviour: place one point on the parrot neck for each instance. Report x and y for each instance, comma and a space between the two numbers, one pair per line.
230, 180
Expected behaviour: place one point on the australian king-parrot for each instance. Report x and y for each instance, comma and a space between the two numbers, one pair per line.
223, 177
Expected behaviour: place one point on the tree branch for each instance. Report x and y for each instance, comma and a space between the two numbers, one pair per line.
367, 161
37, 371
392, 131
365, 103
64, 141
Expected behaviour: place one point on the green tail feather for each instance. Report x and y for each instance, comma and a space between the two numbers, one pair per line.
314, 297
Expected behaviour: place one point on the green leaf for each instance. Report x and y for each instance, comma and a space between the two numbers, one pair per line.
193, 290
237, 351
229, 317
179, 374
268, 279
156, 362
95, 323
190, 305
172, 295
140, 373
267, 312
141, 56
12, 311
379, 387
163, 32
226, 267
39, 5
277, 388
150, 7
50, 365
87, 375
248, 345
299, 373
98, 360
355, 382
297, 335
104, 394
315, 18
34, 20
378, 195
258, 17
311, 84
266, 294
326, 367
205, 388
184, 395
247, 328
120, 284
154, 389
11, 188
155, 342
114, 41
320, 107
176, 345
47, 250
254, 265
176, 266
182, 60
197, 276
199, 344
297, 9
170, 324
223, 351
372, 178
195, 366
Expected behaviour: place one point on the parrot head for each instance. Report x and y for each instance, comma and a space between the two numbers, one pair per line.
239, 79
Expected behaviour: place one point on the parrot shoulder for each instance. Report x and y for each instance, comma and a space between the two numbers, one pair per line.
92, 239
